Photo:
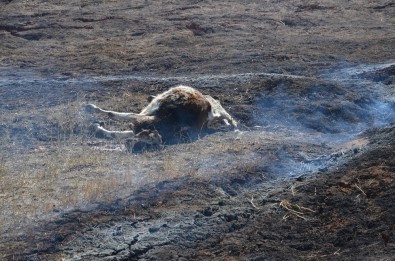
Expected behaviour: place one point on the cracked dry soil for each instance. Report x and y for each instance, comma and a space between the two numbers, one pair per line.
309, 176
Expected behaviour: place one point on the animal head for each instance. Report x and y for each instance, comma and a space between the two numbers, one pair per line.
151, 137
146, 137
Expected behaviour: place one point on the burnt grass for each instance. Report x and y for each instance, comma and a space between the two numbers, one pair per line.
309, 175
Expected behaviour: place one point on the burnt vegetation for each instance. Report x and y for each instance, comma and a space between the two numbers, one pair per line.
308, 174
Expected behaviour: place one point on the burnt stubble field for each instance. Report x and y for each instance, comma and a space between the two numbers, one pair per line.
309, 174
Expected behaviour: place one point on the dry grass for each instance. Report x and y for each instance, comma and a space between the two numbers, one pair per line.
316, 255
3, 169
70, 169
52, 178
55, 174
294, 210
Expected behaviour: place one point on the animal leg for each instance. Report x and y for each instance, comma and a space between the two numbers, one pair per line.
218, 114
227, 119
112, 134
123, 116
221, 121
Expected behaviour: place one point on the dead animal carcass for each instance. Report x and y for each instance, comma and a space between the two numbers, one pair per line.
181, 112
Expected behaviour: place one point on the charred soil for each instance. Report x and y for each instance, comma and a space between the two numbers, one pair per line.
308, 176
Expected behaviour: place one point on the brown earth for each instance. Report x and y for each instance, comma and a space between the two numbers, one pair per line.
309, 175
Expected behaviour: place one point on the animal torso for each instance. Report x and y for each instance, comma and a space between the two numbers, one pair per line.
176, 109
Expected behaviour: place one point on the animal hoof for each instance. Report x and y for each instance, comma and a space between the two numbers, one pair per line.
90, 107
97, 129
95, 126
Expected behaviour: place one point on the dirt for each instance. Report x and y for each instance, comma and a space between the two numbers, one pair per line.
309, 174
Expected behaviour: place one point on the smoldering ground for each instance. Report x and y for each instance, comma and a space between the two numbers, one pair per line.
293, 126
246, 195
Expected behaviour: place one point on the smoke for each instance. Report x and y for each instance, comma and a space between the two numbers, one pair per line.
375, 86
343, 103
332, 110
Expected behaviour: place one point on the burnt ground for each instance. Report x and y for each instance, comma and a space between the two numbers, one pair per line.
308, 176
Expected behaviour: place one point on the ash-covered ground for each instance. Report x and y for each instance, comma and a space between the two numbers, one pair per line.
309, 174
